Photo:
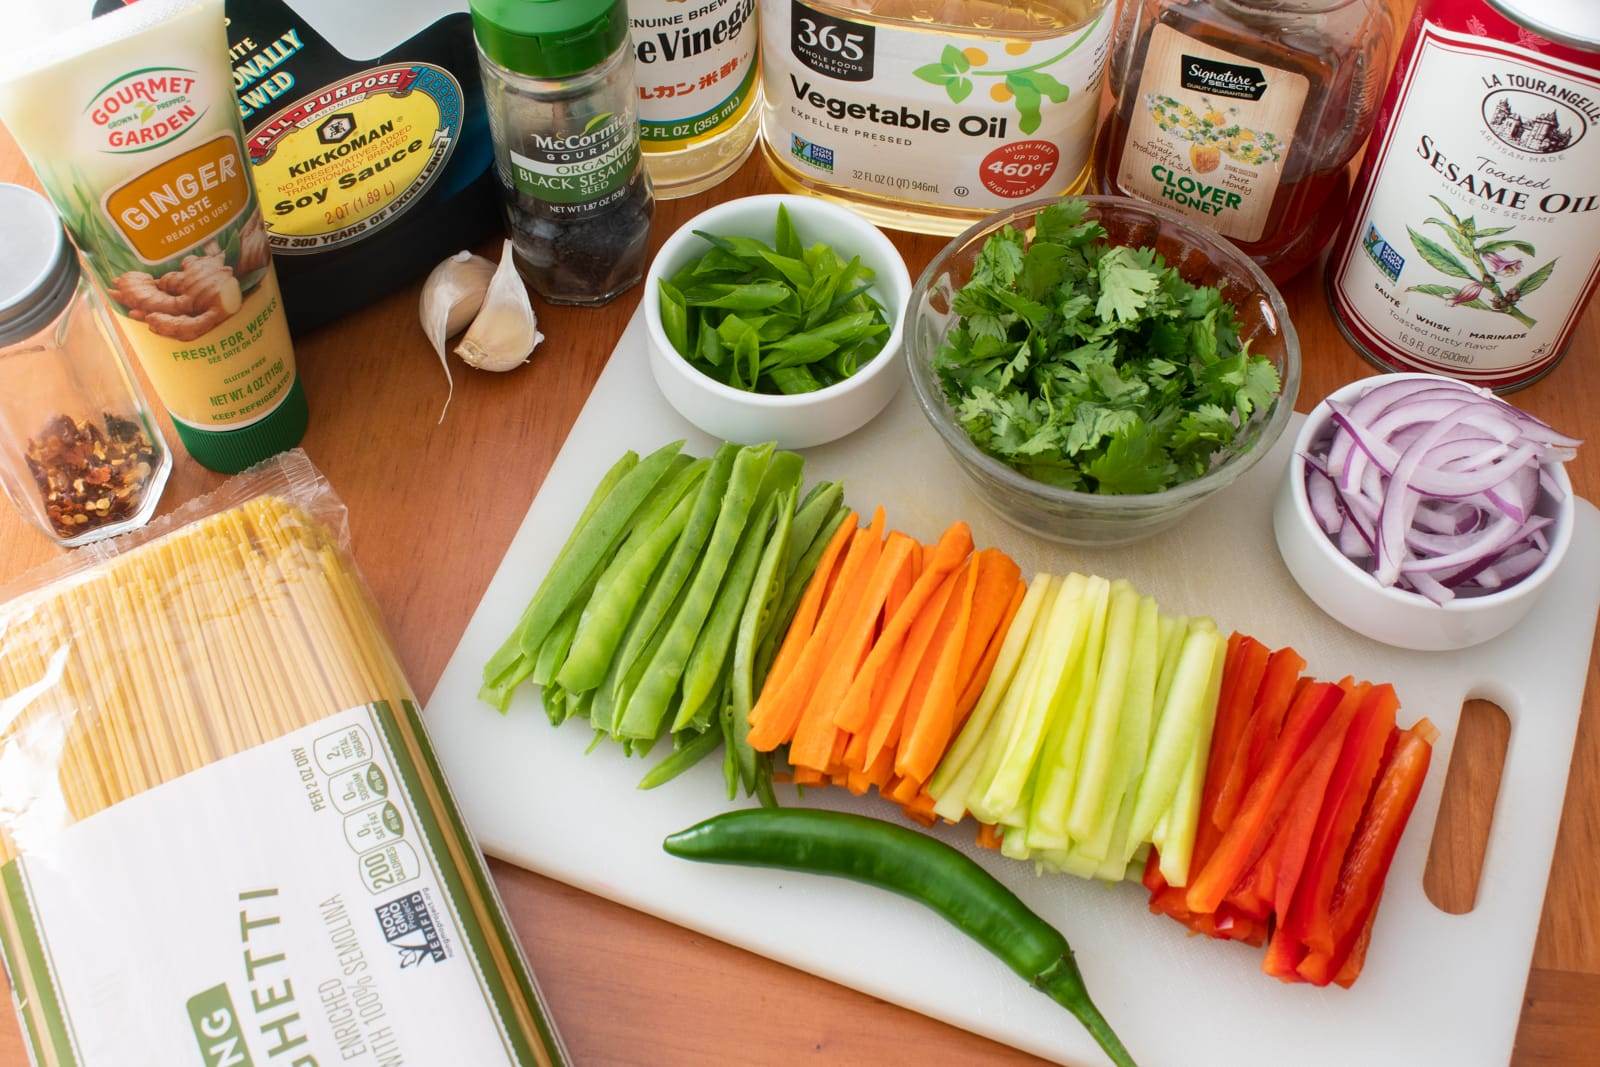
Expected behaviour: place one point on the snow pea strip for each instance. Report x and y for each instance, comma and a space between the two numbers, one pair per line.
794, 587
556, 647
711, 647
760, 607
914, 865
646, 708
707, 506
505, 660
815, 510
605, 616
606, 712
698, 748
600, 535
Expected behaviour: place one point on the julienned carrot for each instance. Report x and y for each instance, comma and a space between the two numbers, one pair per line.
815, 735
1266, 717
890, 711
903, 581
807, 776
988, 836
931, 704
808, 610
1245, 836
777, 724
991, 654
904, 790
991, 599
855, 711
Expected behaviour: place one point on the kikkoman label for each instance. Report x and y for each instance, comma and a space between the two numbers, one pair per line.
696, 69
1210, 133
353, 156
144, 109
927, 117
580, 172
1477, 241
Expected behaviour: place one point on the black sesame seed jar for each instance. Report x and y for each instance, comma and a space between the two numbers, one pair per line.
558, 80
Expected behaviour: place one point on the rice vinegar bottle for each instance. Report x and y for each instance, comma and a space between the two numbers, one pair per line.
699, 90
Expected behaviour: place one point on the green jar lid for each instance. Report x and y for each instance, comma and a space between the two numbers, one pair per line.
231, 451
549, 38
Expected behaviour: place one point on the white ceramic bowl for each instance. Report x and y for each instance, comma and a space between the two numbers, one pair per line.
792, 421
1395, 616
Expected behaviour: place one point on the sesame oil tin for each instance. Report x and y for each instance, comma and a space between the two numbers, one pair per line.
1472, 243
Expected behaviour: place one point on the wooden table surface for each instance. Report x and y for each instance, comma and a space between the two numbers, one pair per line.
432, 508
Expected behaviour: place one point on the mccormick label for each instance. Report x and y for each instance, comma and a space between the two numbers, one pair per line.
1474, 239
1210, 133
696, 69
352, 156
930, 118
581, 172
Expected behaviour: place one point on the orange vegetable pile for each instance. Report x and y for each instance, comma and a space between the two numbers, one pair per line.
1307, 792
889, 649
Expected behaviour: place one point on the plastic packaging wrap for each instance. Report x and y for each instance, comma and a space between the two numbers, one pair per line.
223, 825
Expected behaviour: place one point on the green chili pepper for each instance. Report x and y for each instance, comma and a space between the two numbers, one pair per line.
913, 865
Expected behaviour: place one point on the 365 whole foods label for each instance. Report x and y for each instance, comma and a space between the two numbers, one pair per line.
293, 904
1209, 133
351, 157
579, 172
922, 116
696, 69
1477, 240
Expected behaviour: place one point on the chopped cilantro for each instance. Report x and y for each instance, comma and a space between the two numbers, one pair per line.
1093, 366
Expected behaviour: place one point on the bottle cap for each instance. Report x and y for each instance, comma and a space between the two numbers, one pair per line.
549, 38
39, 271
231, 451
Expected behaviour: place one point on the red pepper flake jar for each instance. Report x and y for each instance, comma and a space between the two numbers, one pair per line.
1472, 242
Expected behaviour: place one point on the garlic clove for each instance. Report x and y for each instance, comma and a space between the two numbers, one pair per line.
505, 332
450, 300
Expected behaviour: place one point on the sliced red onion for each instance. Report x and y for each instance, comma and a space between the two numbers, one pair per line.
1437, 487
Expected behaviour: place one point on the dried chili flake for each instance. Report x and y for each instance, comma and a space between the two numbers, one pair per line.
90, 473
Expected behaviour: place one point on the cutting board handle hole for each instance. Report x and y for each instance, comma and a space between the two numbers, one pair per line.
1466, 810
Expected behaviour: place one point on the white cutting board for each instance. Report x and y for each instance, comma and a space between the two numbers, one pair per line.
1437, 988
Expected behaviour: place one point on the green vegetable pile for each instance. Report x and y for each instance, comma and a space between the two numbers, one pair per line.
784, 319
1093, 366
663, 611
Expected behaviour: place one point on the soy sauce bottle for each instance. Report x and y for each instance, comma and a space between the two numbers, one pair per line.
558, 80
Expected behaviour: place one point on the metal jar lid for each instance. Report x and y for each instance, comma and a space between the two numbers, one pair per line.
1571, 22
39, 271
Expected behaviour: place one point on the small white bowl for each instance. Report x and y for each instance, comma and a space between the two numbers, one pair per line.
803, 420
1396, 616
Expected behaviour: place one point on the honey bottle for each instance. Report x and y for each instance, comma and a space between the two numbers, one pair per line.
1242, 115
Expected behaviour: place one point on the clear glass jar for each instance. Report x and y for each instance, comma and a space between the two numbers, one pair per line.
563, 110
80, 454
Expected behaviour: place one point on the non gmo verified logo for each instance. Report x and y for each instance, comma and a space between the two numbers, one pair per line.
1383, 253
144, 109
808, 152
409, 928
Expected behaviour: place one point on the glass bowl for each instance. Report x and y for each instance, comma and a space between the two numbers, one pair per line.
1066, 515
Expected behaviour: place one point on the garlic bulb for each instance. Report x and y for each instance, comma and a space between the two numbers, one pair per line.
505, 332
450, 299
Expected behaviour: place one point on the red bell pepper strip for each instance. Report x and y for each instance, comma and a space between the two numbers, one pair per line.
1247, 834
1265, 718
1307, 921
1372, 849
1239, 688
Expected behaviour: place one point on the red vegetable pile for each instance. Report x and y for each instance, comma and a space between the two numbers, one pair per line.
1437, 487
1307, 793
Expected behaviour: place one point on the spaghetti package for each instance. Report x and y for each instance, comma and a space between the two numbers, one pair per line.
226, 839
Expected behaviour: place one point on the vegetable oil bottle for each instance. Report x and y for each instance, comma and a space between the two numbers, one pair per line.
927, 115
699, 90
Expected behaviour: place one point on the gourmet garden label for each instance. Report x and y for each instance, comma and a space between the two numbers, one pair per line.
1474, 239
1210, 133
